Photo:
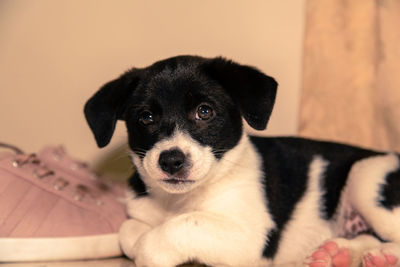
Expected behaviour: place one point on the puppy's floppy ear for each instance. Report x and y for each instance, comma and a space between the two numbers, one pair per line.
251, 89
107, 106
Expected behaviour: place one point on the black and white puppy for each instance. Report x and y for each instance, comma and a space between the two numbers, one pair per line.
205, 191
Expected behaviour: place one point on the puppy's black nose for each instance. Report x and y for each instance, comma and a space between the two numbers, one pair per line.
171, 161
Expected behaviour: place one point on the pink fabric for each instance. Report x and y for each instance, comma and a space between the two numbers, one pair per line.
57, 157
33, 207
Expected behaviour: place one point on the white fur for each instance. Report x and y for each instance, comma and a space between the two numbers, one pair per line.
222, 220
363, 189
306, 220
227, 212
362, 193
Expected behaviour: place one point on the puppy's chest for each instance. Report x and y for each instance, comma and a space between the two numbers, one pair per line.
157, 210
242, 203
179, 205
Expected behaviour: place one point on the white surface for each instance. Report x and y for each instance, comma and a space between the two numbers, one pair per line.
63, 248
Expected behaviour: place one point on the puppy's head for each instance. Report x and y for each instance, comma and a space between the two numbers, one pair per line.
182, 114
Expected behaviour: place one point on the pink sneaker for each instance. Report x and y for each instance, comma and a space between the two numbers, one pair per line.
56, 157
47, 213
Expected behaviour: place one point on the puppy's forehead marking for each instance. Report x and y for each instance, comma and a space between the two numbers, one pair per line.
178, 139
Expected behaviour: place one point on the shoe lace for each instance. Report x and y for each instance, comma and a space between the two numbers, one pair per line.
41, 171
60, 154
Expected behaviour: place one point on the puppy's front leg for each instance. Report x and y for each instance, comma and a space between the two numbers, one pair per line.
201, 236
129, 233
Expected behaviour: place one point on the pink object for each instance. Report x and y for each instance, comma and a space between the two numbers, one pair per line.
54, 212
56, 157
380, 260
329, 254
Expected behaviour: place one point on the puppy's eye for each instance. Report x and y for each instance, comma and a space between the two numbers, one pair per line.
146, 118
204, 112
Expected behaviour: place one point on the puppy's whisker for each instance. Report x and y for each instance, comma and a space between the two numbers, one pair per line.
123, 156
139, 152
139, 149
219, 150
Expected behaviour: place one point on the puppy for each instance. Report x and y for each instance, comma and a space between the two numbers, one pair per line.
205, 191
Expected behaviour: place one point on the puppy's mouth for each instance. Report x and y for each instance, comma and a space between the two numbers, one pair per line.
176, 180
176, 185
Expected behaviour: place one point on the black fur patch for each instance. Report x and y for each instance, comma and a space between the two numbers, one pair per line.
286, 164
390, 196
284, 183
271, 246
341, 158
137, 185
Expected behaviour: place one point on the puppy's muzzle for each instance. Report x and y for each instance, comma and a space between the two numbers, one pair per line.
173, 162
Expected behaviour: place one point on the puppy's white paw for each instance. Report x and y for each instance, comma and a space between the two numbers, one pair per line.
386, 255
153, 251
129, 233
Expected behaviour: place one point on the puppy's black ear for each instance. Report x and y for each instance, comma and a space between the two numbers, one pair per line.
107, 106
251, 89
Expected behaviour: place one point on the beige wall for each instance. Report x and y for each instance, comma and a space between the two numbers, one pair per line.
55, 54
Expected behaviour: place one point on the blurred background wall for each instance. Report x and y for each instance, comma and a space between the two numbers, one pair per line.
351, 81
55, 54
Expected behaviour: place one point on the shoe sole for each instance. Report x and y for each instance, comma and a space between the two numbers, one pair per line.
64, 248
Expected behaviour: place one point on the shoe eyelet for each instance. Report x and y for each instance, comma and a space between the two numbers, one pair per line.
74, 166
60, 183
99, 202
57, 157
16, 163
93, 176
78, 197
40, 175
22, 159
80, 192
